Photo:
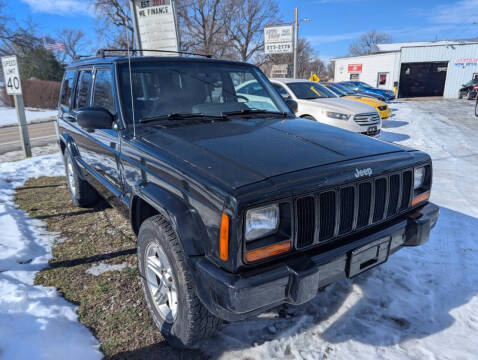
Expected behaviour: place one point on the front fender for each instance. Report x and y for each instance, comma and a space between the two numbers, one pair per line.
186, 222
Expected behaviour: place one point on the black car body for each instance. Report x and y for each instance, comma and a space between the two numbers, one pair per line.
344, 202
469, 90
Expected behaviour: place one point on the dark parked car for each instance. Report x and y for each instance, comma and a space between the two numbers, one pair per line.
357, 91
469, 90
366, 88
238, 205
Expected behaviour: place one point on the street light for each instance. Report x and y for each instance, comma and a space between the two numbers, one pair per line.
296, 37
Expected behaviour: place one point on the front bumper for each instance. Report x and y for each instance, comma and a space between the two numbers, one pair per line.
297, 280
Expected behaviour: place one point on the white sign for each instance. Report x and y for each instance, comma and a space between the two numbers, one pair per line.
12, 76
156, 21
279, 39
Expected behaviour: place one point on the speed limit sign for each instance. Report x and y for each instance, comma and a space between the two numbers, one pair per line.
12, 76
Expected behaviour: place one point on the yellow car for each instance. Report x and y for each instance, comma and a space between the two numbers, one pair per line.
382, 107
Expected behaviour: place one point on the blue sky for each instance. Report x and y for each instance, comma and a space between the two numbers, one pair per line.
334, 23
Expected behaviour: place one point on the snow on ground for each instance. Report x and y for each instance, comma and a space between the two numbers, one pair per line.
36, 151
422, 303
35, 321
101, 268
8, 116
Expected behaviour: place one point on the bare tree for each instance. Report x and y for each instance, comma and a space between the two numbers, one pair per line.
331, 70
75, 44
116, 25
202, 27
245, 24
367, 43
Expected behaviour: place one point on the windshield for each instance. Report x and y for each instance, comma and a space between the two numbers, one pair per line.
363, 85
343, 89
350, 87
310, 91
339, 91
186, 87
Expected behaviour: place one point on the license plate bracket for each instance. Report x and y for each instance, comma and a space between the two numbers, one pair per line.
368, 256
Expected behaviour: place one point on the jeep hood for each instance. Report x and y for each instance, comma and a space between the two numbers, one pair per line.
243, 151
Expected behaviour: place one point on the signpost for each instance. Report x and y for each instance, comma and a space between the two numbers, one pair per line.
278, 39
14, 87
155, 24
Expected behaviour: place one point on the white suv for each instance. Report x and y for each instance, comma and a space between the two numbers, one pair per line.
316, 102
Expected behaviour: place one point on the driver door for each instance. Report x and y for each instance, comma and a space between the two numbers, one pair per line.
99, 149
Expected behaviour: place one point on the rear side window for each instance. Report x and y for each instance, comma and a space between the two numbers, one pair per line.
103, 92
67, 90
83, 89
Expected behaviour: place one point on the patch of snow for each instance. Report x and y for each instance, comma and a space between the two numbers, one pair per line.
101, 268
36, 151
8, 116
35, 321
422, 303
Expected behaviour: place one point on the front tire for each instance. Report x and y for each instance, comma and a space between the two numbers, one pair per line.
469, 96
82, 194
169, 288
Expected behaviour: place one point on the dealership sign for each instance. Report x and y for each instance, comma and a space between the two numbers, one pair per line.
278, 39
156, 25
355, 68
466, 62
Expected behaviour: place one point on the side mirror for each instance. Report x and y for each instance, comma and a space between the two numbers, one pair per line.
293, 106
95, 118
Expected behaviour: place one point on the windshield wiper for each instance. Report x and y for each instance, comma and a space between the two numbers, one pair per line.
255, 112
176, 116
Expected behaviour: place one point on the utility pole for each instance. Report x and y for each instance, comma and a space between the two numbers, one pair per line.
296, 39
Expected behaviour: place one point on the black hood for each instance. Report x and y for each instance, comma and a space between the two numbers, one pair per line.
241, 152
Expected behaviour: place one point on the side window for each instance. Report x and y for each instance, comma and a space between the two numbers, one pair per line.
103, 92
67, 90
283, 92
83, 89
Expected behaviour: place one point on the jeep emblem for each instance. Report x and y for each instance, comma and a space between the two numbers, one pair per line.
363, 172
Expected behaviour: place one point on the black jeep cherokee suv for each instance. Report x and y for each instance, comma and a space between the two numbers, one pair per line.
238, 206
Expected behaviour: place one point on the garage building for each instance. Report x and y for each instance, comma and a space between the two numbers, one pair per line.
419, 68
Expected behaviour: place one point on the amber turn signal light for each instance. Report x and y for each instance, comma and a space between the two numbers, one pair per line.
420, 198
224, 238
268, 251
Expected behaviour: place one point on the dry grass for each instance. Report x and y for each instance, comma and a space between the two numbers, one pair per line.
110, 305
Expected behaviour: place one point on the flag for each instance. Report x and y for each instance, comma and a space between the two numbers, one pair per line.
54, 45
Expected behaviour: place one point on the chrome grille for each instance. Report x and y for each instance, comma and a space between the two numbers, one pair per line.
367, 119
326, 215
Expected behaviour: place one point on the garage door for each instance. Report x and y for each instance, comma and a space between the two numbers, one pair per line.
422, 79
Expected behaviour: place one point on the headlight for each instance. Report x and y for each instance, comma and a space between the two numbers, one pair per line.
261, 222
335, 115
419, 177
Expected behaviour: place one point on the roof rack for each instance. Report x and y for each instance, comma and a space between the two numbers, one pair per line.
103, 52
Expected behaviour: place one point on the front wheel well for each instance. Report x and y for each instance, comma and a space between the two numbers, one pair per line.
62, 146
140, 211
307, 116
